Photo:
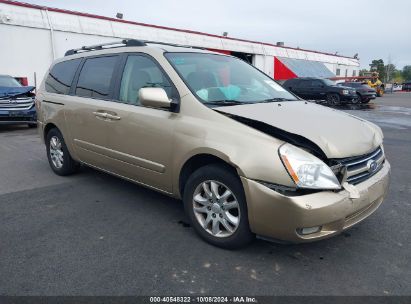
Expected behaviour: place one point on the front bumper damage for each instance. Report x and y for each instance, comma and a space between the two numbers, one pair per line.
18, 116
279, 217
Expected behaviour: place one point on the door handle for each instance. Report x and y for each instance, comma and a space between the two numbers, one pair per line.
100, 114
106, 115
113, 117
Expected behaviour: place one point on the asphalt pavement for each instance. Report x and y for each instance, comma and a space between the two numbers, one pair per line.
94, 234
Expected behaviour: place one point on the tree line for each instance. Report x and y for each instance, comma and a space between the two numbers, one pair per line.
389, 72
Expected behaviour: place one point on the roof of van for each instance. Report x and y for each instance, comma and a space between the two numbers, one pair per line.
131, 45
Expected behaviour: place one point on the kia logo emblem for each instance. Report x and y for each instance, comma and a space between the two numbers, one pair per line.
372, 165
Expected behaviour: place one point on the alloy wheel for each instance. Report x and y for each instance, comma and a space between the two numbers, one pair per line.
56, 152
216, 208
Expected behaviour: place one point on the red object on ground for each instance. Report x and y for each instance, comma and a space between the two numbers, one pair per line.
281, 71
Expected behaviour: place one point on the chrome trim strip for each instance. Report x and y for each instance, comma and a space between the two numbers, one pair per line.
363, 159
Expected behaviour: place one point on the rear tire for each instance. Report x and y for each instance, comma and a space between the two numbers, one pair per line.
58, 155
215, 204
333, 99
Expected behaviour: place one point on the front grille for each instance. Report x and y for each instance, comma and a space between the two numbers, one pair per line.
22, 103
360, 168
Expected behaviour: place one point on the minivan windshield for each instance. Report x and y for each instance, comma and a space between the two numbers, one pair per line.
223, 80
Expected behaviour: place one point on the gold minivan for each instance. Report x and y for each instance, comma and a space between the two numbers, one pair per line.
246, 156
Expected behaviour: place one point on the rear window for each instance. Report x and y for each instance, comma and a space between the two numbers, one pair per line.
95, 77
61, 76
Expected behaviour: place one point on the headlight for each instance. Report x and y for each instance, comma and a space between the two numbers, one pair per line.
306, 170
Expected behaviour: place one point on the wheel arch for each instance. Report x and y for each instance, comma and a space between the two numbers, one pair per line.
47, 129
200, 160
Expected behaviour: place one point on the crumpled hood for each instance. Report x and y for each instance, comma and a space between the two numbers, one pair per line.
336, 133
14, 91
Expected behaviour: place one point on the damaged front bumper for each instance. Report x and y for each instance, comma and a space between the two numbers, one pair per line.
275, 216
18, 116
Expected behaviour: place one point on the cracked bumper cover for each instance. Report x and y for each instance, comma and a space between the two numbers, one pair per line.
276, 216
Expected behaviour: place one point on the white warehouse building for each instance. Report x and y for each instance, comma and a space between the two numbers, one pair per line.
32, 36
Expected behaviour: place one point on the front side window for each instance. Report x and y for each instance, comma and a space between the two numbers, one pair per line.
61, 76
218, 79
95, 77
141, 72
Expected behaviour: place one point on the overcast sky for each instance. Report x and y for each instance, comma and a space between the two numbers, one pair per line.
372, 28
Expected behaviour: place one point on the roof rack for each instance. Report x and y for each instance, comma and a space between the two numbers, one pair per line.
174, 44
125, 42
122, 43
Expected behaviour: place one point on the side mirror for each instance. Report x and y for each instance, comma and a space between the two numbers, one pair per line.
154, 97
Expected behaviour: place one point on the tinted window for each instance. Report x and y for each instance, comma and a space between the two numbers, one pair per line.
61, 76
304, 84
316, 83
95, 77
141, 72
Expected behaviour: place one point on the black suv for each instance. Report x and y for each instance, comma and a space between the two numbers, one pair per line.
321, 89
364, 91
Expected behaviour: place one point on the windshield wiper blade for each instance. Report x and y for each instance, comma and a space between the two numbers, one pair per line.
277, 99
226, 102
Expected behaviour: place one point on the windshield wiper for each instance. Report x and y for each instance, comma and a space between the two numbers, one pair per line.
226, 102
276, 99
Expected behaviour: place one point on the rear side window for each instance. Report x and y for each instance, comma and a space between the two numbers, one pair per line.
303, 83
95, 77
316, 83
61, 76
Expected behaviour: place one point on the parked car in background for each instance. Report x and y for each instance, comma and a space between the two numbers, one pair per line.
365, 92
321, 89
16, 102
397, 87
246, 156
406, 86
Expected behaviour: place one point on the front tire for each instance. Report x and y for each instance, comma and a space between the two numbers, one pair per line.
215, 204
58, 155
358, 99
333, 99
